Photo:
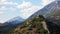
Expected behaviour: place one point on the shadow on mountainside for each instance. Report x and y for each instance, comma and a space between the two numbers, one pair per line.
53, 24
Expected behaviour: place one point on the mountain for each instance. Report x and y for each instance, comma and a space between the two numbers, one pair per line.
16, 20
13, 21
32, 26
10, 24
46, 11
53, 24
51, 9
51, 12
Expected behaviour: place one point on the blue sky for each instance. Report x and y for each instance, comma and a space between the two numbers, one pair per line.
23, 8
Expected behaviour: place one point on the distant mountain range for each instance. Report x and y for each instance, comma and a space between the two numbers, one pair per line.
16, 20
12, 23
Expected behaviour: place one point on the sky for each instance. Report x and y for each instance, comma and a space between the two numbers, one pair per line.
23, 8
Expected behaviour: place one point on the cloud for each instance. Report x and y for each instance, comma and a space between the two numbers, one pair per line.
3, 0
1, 13
11, 3
45, 2
24, 5
7, 2
12, 9
25, 13
3, 20
4, 8
27, 9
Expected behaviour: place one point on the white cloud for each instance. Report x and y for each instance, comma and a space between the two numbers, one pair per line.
29, 11
1, 13
3, 20
24, 5
12, 9
45, 2
3, 0
4, 8
11, 3
7, 2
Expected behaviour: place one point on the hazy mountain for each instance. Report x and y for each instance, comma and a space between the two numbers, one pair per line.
16, 20
12, 23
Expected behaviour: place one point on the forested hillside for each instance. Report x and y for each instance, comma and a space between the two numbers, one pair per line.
32, 26
35, 26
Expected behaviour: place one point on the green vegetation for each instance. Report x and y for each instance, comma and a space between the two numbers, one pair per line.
32, 26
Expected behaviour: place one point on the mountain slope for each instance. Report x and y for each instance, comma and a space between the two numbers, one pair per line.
32, 26
46, 11
11, 24
16, 20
